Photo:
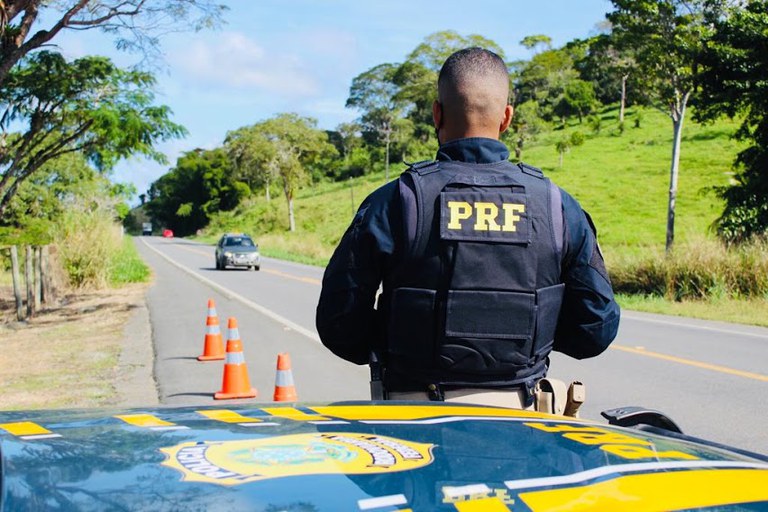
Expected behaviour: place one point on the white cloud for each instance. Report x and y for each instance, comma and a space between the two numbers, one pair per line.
234, 61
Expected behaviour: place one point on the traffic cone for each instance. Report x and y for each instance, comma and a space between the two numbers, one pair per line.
214, 346
285, 391
235, 383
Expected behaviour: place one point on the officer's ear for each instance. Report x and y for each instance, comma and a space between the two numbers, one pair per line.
509, 111
437, 118
437, 114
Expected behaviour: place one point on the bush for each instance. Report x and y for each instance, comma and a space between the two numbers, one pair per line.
87, 237
700, 270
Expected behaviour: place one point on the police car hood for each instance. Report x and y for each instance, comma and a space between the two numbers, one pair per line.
359, 456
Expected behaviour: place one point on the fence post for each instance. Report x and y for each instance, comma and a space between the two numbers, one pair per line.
17, 283
49, 294
28, 278
38, 271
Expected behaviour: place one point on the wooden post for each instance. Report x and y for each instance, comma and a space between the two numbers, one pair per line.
17, 283
28, 278
38, 270
49, 294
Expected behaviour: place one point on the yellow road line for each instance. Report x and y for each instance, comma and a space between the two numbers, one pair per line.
689, 362
310, 280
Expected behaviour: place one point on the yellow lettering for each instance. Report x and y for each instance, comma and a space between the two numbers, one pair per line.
562, 428
603, 438
640, 452
509, 215
503, 495
460, 210
486, 217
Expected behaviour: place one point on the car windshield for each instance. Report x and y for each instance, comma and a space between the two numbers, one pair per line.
238, 242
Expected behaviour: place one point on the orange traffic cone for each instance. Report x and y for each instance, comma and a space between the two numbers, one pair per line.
285, 391
235, 383
214, 346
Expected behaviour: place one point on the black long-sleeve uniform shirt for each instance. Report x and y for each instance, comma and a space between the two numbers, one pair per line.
346, 318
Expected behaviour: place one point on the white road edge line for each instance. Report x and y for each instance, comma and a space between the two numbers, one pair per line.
703, 327
232, 295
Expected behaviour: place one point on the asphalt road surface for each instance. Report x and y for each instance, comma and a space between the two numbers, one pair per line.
711, 378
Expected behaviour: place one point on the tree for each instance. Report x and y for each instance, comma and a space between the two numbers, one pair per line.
28, 25
88, 106
252, 155
734, 81
665, 37
526, 124
201, 184
438, 46
537, 41
610, 69
374, 94
296, 142
579, 97
544, 78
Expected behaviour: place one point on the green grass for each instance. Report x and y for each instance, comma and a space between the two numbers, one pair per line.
623, 180
743, 311
127, 266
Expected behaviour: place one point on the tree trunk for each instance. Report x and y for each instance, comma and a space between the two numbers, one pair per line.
386, 160
351, 196
678, 115
291, 219
17, 283
623, 97
289, 199
29, 281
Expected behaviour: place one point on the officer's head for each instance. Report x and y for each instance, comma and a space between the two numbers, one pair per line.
473, 92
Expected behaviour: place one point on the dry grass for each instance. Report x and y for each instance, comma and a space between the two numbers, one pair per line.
65, 357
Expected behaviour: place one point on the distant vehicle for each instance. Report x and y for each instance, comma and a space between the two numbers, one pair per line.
363, 456
167, 233
237, 250
146, 228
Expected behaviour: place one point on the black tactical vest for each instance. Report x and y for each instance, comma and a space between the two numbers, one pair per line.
475, 298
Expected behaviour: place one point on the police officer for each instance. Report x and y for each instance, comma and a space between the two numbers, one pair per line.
486, 266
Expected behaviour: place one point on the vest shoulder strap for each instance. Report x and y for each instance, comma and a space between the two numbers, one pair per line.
531, 170
423, 167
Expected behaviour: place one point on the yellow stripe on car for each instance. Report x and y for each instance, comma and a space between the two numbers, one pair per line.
673, 490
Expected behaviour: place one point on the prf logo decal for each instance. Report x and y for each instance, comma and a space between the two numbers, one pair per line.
238, 462
484, 216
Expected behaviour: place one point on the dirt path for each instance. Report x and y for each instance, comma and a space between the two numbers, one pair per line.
95, 350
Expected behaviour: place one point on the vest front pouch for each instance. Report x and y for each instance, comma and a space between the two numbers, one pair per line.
487, 332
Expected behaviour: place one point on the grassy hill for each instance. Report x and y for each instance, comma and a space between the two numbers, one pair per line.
622, 179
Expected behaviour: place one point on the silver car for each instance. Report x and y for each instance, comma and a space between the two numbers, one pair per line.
237, 250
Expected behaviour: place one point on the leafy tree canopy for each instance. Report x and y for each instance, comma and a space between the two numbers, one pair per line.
734, 81
28, 25
87, 106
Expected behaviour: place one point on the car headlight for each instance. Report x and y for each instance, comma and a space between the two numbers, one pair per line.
227, 254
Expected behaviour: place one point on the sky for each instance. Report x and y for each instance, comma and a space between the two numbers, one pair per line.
274, 56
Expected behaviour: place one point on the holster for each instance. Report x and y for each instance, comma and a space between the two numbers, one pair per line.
553, 397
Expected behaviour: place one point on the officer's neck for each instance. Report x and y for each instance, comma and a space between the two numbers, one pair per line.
448, 134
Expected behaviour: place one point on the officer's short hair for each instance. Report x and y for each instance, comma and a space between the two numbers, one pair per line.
470, 63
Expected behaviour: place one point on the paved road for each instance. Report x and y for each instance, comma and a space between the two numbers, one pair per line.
711, 378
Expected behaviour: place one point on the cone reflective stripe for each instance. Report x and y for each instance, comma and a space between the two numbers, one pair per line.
213, 349
235, 383
285, 391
